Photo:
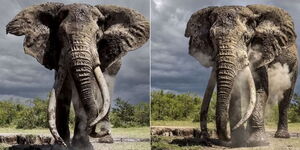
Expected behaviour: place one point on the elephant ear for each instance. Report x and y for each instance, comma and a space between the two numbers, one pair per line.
198, 30
274, 32
124, 30
37, 24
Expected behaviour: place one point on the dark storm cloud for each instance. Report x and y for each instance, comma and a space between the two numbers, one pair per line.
172, 68
21, 76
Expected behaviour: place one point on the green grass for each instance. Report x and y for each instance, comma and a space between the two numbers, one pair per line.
3, 146
123, 146
24, 131
180, 124
140, 132
293, 127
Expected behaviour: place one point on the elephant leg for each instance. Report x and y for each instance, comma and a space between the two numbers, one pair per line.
104, 134
282, 128
62, 117
256, 128
235, 114
80, 139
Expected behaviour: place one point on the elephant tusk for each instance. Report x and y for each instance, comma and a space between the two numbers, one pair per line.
252, 102
206, 99
105, 95
52, 118
59, 78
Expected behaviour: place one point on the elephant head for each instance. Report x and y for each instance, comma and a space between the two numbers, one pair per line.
80, 40
226, 37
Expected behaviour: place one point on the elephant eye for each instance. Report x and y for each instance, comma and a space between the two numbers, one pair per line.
101, 23
247, 38
251, 23
46, 19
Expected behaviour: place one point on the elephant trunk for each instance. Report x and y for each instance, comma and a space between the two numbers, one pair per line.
226, 72
85, 66
81, 68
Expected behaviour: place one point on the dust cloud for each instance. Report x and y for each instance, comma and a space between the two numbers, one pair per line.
279, 82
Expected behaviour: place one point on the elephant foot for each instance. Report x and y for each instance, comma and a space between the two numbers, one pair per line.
204, 135
81, 146
99, 134
58, 147
257, 138
106, 139
282, 134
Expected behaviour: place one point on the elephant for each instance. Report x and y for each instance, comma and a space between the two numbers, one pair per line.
84, 44
228, 39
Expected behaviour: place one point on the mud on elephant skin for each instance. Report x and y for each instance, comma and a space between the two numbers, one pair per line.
244, 42
84, 45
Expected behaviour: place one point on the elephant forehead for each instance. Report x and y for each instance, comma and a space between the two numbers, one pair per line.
236, 10
78, 10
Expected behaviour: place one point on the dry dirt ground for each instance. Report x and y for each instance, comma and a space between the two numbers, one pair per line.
181, 138
125, 139
180, 143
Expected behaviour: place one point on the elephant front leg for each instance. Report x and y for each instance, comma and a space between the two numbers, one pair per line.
104, 134
256, 128
62, 110
238, 136
80, 139
62, 117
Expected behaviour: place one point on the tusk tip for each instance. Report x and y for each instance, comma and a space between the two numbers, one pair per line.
93, 123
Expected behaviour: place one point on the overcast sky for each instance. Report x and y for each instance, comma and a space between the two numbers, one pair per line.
172, 68
21, 76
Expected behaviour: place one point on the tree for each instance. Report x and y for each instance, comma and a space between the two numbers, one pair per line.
33, 116
169, 106
126, 115
142, 114
294, 110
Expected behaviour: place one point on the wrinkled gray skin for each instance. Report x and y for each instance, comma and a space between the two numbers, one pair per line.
76, 40
222, 37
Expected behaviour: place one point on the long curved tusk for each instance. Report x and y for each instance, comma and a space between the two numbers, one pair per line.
252, 102
105, 94
52, 118
206, 99
59, 78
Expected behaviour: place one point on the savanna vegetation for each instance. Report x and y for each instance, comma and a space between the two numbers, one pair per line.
33, 114
170, 107
182, 110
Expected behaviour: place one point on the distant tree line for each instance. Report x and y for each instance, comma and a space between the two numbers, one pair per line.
33, 114
186, 107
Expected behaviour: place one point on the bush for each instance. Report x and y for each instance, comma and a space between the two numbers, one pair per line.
294, 110
169, 106
8, 112
142, 114
128, 115
33, 116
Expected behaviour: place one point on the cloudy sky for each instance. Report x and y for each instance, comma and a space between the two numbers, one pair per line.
171, 67
22, 77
